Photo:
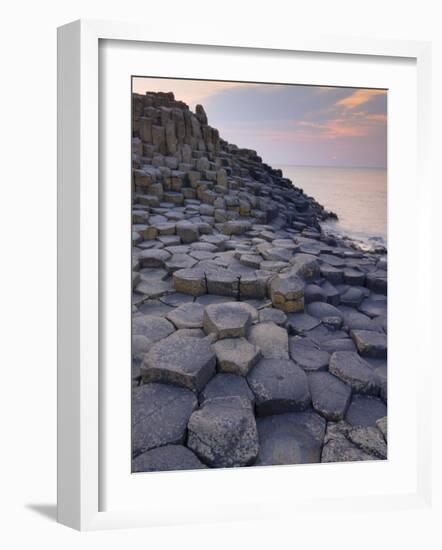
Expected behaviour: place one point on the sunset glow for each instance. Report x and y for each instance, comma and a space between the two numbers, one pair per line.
291, 124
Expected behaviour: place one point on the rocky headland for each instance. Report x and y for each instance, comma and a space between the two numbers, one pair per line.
256, 338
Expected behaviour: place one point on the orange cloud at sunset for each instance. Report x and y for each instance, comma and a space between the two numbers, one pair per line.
358, 97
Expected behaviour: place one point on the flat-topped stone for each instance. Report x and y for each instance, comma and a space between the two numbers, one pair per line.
356, 320
271, 339
152, 327
287, 292
227, 320
353, 370
223, 282
279, 386
322, 310
223, 432
182, 360
332, 274
338, 448
377, 281
160, 414
338, 344
166, 459
306, 266
301, 322
270, 314
153, 258
236, 227
179, 261
187, 231
352, 297
188, 315
370, 343
373, 308
330, 396
291, 438
307, 355
365, 410
369, 439
190, 281
236, 355
227, 385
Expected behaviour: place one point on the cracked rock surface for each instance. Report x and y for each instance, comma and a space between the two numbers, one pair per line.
256, 338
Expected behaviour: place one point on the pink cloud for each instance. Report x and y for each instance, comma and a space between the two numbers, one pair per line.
358, 97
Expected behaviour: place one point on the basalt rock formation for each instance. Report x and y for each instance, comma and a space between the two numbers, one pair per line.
256, 339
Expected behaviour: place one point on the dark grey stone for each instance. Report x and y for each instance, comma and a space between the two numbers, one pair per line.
331, 293
153, 328
314, 293
377, 281
352, 297
305, 266
223, 432
153, 258
236, 355
177, 299
181, 360
330, 396
321, 311
338, 448
373, 308
370, 343
354, 319
353, 370
271, 339
369, 439
188, 315
166, 459
354, 277
279, 386
270, 314
339, 344
160, 414
307, 355
227, 385
291, 438
227, 320
364, 410
332, 274
301, 322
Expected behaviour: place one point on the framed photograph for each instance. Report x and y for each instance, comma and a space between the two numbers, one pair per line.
231, 222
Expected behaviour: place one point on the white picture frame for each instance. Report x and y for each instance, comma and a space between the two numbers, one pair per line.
81, 295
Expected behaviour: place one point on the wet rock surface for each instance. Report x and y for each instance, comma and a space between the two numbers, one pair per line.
292, 438
256, 338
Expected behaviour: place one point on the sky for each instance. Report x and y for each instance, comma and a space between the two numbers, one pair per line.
290, 124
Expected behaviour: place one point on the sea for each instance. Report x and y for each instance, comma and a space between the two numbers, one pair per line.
357, 195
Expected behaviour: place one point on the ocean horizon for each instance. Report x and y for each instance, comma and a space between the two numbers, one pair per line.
357, 195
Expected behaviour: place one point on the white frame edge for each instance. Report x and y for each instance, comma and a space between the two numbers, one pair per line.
78, 252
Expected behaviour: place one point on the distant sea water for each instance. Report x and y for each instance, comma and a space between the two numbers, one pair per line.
357, 195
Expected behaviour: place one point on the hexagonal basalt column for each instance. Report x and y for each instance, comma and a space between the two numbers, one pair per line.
223, 432
228, 320
287, 292
182, 360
